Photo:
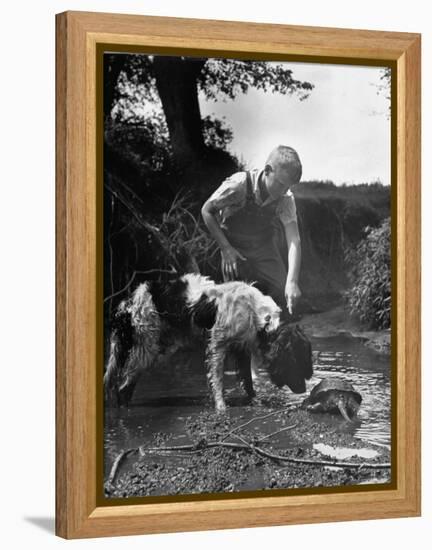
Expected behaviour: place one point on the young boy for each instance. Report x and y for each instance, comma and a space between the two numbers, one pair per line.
243, 215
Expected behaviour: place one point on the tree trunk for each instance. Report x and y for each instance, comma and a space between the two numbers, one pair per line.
176, 81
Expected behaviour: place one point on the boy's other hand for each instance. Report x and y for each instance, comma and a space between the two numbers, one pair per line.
292, 294
230, 257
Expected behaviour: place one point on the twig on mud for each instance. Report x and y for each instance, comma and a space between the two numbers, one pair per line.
254, 447
277, 432
189, 448
204, 445
247, 445
240, 426
116, 464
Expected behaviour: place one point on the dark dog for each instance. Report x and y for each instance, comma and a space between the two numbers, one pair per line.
287, 356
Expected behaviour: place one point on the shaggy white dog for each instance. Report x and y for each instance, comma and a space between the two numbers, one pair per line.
235, 317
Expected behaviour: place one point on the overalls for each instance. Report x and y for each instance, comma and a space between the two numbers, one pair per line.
252, 231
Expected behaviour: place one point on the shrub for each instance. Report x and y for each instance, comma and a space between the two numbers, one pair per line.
369, 272
186, 243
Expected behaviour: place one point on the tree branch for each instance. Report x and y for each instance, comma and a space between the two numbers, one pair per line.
132, 202
267, 454
134, 274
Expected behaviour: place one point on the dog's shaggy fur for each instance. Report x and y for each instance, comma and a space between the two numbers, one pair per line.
236, 319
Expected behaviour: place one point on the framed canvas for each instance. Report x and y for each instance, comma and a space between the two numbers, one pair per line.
159, 208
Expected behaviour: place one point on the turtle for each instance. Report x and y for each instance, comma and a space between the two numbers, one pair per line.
334, 394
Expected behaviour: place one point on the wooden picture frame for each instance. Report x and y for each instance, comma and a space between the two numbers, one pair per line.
79, 34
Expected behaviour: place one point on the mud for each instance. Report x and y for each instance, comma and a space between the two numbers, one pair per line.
213, 453
291, 432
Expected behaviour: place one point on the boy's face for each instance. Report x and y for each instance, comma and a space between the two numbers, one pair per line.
278, 180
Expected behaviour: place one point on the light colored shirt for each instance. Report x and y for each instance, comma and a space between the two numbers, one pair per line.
231, 196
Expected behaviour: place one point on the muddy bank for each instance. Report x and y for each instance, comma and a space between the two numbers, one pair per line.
336, 321
269, 445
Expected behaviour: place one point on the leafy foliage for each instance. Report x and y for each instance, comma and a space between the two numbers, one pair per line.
369, 261
143, 141
175, 241
216, 78
384, 88
186, 243
226, 78
217, 133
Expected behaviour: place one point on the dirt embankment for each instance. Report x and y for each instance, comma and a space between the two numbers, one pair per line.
337, 321
331, 220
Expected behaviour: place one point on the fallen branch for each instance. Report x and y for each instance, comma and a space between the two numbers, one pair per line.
116, 464
195, 448
244, 445
267, 454
277, 432
263, 417
200, 447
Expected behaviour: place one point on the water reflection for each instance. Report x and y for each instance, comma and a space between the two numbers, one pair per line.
369, 372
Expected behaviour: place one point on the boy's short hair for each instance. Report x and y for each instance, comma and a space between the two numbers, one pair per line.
287, 158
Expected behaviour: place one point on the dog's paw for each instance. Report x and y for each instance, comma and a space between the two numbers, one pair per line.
221, 407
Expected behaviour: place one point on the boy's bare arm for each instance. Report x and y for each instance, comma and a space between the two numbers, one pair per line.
292, 290
213, 226
230, 255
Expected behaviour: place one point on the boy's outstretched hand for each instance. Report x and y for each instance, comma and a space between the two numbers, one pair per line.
230, 257
292, 294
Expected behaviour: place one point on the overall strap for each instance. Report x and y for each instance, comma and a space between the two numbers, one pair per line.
250, 199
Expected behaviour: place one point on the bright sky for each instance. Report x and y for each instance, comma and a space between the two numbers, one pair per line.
341, 132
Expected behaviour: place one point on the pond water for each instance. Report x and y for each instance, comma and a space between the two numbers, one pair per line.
162, 402
369, 372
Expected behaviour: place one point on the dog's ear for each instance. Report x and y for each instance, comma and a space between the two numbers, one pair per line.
300, 368
295, 378
290, 358
302, 348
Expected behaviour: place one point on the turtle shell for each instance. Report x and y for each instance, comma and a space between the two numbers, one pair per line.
332, 384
